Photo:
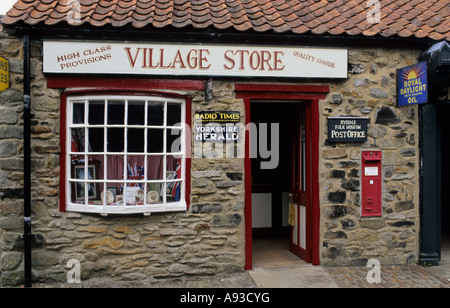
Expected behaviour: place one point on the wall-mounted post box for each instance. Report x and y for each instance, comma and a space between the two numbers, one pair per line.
371, 183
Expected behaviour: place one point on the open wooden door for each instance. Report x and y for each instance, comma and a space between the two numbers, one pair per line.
300, 195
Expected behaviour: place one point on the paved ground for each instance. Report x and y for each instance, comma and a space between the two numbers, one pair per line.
412, 276
303, 275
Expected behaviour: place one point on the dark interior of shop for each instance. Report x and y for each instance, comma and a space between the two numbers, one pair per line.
271, 244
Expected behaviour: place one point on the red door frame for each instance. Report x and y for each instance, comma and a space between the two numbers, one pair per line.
299, 196
312, 94
113, 86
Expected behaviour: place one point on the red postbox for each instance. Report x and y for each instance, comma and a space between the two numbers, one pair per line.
371, 184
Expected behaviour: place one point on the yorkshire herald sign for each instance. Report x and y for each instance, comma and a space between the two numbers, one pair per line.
412, 86
217, 126
193, 60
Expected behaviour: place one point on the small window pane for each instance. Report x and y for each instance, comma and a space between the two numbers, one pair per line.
77, 140
96, 163
173, 114
75, 160
173, 167
154, 193
78, 113
173, 191
155, 143
96, 139
77, 172
173, 141
116, 140
116, 112
135, 194
155, 114
136, 113
99, 194
96, 113
78, 192
135, 168
93, 192
112, 195
115, 167
155, 167
135, 140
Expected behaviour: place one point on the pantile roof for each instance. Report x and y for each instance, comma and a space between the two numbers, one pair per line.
398, 18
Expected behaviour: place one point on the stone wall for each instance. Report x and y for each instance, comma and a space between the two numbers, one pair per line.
209, 238
346, 237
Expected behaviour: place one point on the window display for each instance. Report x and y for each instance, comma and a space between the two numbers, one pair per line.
126, 154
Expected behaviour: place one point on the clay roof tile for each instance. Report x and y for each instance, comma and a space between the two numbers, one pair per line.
414, 18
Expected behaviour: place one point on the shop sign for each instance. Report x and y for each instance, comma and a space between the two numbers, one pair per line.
217, 117
4, 74
217, 126
292, 214
412, 87
193, 60
347, 129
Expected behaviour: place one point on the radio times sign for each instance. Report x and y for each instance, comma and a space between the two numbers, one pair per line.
217, 126
4, 74
412, 86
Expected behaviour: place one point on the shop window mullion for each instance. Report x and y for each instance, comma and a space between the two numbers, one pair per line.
165, 155
86, 151
105, 155
125, 150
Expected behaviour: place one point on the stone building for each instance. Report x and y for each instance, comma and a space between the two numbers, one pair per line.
127, 182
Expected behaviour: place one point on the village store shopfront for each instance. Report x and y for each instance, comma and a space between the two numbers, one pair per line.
163, 152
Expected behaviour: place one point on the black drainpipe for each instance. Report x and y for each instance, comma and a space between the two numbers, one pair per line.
27, 160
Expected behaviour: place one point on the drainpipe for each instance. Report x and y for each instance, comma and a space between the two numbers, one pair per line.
27, 160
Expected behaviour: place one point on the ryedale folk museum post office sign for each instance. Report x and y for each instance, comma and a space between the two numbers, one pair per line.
194, 60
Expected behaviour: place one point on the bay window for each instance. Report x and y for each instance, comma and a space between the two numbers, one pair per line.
125, 154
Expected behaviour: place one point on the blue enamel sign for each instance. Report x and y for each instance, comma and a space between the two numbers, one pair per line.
412, 87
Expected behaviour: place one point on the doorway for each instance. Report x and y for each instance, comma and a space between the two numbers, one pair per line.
278, 241
435, 201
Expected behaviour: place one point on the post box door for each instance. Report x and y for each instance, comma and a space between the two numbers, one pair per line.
371, 184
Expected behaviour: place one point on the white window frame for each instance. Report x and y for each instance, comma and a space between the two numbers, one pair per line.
145, 209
